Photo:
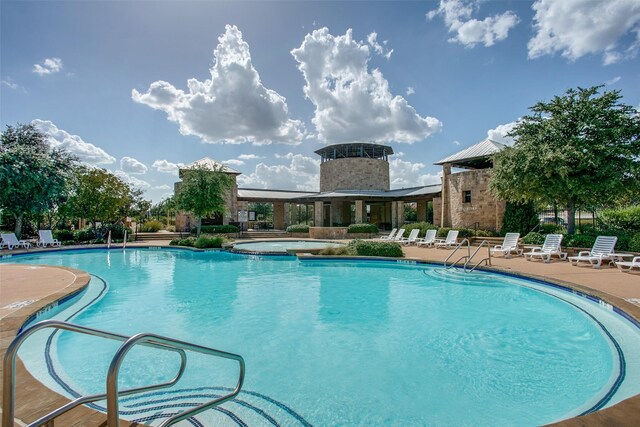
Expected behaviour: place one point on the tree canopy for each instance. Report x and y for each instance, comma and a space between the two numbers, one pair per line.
579, 149
34, 177
202, 191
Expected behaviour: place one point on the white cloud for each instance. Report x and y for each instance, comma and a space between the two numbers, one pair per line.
132, 166
232, 107
302, 173
233, 162
410, 91
372, 39
352, 103
575, 28
162, 187
132, 180
456, 142
403, 174
8, 82
613, 81
470, 31
166, 166
249, 157
499, 133
49, 66
86, 152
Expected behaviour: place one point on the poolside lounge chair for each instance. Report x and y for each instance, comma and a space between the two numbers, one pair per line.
398, 236
601, 250
46, 238
626, 266
11, 241
509, 244
413, 236
390, 236
428, 239
449, 241
550, 247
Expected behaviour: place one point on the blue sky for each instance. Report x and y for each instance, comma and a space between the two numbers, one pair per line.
139, 88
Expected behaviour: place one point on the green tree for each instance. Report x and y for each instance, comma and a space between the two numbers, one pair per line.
579, 149
101, 196
202, 191
264, 211
520, 217
34, 178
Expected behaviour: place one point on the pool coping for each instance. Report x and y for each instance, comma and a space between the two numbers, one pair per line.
620, 414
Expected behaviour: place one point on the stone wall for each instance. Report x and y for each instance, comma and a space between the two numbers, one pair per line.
354, 173
484, 210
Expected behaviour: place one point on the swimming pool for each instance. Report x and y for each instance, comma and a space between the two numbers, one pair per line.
341, 342
282, 246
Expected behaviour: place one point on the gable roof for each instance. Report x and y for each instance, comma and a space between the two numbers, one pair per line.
210, 164
474, 156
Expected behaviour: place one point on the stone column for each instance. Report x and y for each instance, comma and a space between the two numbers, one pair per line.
421, 206
361, 212
437, 210
400, 213
317, 213
287, 214
278, 215
445, 214
394, 214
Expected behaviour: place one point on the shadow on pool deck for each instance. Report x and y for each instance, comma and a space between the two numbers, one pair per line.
25, 289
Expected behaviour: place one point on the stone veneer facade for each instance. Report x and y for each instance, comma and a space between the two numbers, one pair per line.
354, 174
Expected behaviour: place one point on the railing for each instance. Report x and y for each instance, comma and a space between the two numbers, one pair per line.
112, 394
458, 246
487, 260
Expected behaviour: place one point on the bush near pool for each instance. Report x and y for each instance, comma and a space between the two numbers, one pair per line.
366, 248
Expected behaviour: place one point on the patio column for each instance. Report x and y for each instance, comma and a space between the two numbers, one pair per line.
422, 210
444, 216
400, 213
361, 212
287, 215
278, 215
317, 213
394, 214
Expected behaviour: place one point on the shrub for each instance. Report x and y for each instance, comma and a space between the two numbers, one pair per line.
486, 233
298, 228
63, 235
462, 232
217, 229
117, 231
151, 226
533, 238
627, 219
552, 229
372, 248
362, 228
85, 235
188, 241
209, 242
520, 217
634, 243
423, 226
338, 250
580, 241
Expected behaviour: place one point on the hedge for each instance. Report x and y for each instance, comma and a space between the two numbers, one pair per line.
216, 229
627, 219
298, 228
422, 226
372, 248
362, 228
151, 226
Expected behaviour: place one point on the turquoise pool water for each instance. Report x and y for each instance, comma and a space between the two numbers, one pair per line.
281, 246
332, 343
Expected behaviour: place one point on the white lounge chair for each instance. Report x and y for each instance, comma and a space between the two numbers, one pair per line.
550, 247
428, 239
413, 236
601, 250
509, 244
449, 241
391, 235
46, 238
11, 241
626, 266
398, 236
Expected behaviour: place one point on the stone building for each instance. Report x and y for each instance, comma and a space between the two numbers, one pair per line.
355, 188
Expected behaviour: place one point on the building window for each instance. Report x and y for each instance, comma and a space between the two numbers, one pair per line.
466, 196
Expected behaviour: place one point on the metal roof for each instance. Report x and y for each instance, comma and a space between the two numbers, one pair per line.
257, 193
355, 149
210, 164
481, 150
413, 192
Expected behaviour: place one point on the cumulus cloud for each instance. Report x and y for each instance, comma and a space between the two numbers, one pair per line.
48, 66
162, 187
353, 104
403, 174
235, 162
132, 180
86, 152
575, 28
249, 157
302, 173
166, 166
470, 31
132, 166
372, 39
499, 133
231, 107
410, 90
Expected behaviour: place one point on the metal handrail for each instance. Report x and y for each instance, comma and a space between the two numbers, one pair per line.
458, 246
8, 381
485, 260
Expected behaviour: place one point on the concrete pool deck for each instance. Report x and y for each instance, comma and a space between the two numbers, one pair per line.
25, 290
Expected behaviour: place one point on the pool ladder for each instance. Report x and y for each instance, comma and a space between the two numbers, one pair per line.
469, 256
112, 394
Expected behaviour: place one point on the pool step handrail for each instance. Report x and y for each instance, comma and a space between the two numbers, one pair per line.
486, 260
112, 394
458, 246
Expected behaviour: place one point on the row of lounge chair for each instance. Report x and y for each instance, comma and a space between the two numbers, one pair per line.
10, 241
603, 249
